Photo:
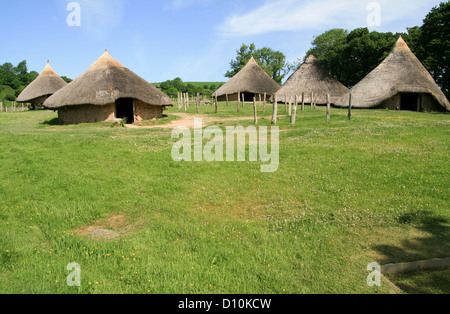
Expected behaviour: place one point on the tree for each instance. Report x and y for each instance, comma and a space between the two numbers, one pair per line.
66, 79
350, 56
328, 48
435, 40
273, 62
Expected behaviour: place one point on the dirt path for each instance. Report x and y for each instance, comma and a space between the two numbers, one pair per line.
187, 120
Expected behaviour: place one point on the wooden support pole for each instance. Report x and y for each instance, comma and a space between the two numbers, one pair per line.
285, 103
238, 104
265, 101
303, 101
198, 102
290, 106
275, 110
216, 104
226, 96
312, 100
243, 100
294, 114
255, 110
328, 110
350, 106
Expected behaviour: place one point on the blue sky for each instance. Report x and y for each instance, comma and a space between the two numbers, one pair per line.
191, 39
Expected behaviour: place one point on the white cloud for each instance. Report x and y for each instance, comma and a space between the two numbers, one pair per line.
297, 15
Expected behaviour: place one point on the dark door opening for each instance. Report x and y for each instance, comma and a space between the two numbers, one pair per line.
124, 109
409, 101
248, 97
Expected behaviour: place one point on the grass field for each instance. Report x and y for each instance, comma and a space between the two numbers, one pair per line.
374, 189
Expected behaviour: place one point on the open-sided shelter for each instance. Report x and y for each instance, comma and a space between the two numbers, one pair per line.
311, 79
252, 81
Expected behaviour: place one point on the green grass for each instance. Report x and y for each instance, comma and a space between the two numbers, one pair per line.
374, 189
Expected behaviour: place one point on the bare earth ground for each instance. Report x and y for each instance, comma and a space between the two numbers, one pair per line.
187, 120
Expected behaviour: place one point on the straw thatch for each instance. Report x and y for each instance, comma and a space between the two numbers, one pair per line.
399, 74
311, 77
45, 85
103, 83
252, 79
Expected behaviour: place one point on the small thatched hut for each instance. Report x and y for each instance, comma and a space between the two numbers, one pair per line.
45, 85
312, 78
108, 91
252, 81
400, 82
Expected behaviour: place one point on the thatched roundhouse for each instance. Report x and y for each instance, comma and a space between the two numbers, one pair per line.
312, 79
45, 85
108, 91
252, 81
400, 82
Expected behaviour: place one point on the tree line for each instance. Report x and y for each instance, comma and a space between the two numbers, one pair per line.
14, 79
351, 55
172, 87
348, 55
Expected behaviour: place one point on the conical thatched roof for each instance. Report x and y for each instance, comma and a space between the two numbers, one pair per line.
311, 77
400, 72
47, 83
103, 83
251, 79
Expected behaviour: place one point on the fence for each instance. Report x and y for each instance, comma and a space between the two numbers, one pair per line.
293, 104
13, 107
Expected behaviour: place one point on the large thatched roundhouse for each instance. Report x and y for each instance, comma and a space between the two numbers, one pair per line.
108, 91
400, 82
312, 78
252, 81
45, 85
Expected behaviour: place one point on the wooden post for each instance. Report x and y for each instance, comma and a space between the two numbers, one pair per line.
303, 101
198, 102
255, 110
260, 102
294, 114
226, 96
265, 101
312, 101
217, 104
328, 110
275, 110
238, 100
290, 106
350, 106
187, 99
243, 100
285, 103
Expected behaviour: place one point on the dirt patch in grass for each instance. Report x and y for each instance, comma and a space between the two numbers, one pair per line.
112, 227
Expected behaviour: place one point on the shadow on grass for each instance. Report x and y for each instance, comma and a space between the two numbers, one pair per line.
51, 122
434, 242
428, 282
